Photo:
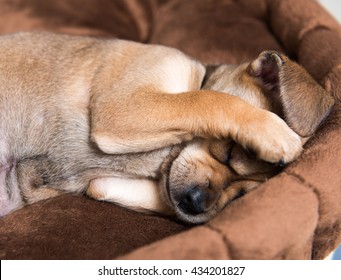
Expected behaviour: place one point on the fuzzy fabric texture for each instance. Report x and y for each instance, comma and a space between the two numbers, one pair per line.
295, 215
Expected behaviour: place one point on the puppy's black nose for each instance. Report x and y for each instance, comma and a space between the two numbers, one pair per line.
193, 201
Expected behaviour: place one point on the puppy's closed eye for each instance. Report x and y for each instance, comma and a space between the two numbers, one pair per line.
244, 163
220, 150
239, 160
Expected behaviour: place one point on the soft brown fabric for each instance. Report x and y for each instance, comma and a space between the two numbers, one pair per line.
125, 19
295, 215
71, 227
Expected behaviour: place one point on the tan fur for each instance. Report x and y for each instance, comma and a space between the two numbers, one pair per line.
79, 112
139, 194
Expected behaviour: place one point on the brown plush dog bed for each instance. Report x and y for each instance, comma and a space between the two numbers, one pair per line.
295, 215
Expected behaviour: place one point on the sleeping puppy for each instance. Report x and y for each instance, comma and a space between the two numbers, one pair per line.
204, 175
129, 123
223, 169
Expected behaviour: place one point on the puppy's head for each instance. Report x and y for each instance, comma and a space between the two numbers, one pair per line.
204, 176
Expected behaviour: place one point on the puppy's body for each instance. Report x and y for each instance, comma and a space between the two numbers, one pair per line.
46, 83
78, 110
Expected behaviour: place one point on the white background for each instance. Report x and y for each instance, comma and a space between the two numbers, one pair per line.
334, 7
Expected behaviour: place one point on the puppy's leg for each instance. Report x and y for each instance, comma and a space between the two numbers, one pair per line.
32, 186
138, 194
10, 196
150, 120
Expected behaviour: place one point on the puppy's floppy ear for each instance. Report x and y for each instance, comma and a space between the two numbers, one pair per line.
303, 102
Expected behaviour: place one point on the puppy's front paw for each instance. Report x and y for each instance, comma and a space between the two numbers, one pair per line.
271, 138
